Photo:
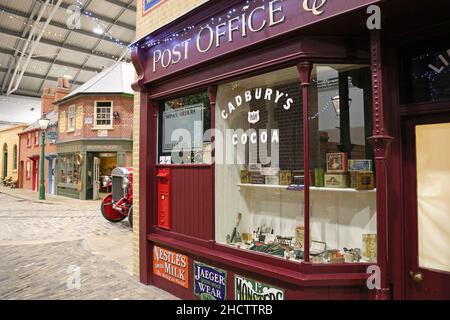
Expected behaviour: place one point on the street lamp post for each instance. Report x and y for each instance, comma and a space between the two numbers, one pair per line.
43, 124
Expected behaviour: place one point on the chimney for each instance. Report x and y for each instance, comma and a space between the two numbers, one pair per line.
47, 99
51, 95
63, 88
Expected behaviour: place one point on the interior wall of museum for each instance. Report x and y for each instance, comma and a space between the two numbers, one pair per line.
161, 15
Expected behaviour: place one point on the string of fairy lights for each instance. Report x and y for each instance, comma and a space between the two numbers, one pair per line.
148, 42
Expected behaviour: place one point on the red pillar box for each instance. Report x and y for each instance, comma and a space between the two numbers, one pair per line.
163, 178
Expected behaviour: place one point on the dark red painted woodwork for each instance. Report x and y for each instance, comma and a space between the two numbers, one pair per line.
192, 208
436, 284
286, 52
343, 39
295, 19
380, 143
305, 69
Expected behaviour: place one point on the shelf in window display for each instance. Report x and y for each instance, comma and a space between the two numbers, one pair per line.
298, 188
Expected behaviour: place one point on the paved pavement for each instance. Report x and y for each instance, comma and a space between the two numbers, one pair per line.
64, 249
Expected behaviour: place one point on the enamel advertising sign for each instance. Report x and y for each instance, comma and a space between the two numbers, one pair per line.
209, 283
148, 5
171, 266
248, 289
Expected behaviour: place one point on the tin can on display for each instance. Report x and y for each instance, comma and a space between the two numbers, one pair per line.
272, 180
319, 177
285, 177
245, 176
369, 247
339, 180
359, 165
362, 180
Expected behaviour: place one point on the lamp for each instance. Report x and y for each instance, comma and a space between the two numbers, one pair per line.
337, 104
43, 124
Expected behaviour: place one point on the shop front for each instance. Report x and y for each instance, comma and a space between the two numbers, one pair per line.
275, 153
84, 166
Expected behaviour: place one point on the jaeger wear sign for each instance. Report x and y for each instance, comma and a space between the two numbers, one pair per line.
235, 28
209, 283
171, 266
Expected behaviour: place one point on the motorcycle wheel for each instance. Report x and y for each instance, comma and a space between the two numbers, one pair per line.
130, 217
109, 213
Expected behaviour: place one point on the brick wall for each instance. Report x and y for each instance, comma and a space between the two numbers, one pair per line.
122, 127
10, 138
27, 152
161, 15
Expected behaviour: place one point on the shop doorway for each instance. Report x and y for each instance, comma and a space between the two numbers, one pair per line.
426, 162
102, 165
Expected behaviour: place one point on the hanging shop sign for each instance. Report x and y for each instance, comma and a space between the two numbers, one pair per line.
235, 28
171, 266
248, 289
209, 283
148, 5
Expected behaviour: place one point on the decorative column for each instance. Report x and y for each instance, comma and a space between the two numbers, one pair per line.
380, 142
305, 69
212, 94
344, 114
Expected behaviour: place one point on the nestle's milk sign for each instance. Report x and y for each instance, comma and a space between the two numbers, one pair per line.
148, 5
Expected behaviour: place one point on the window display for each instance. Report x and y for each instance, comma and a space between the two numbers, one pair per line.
70, 169
259, 166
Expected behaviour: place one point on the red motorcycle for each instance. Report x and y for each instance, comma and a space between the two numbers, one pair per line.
118, 205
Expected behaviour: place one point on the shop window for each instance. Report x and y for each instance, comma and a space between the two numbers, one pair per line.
184, 125
28, 170
103, 115
342, 188
425, 72
259, 157
71, 116
70, 169
15, 157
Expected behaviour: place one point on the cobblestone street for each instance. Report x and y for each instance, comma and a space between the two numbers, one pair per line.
45, 245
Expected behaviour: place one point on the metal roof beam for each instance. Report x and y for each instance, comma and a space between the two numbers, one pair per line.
63, 26
57, 62
122, 4
105, 18
56, 44
40, 76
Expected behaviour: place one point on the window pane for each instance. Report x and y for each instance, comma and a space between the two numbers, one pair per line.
259, 121
342, 192
184, 125
433, 202
425, 72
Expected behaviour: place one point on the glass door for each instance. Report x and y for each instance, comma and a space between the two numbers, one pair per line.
427, 206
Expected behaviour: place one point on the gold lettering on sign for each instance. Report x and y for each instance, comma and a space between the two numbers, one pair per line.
315, 7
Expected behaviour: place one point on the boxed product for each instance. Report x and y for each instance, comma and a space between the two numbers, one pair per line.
362, 180
285, 177
245, 176
337, 162
298, 177
359, 165
338, 180
257, 179
272, 180
319, 177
